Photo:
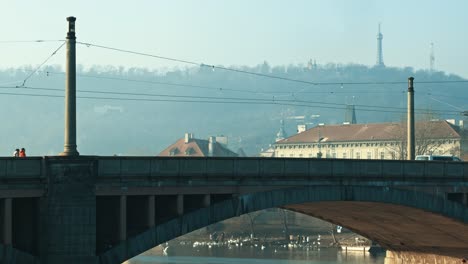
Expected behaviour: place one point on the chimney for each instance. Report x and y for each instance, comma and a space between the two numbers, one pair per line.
301, 128
211, 146
451, 121
461, 124
223, 140
188, 137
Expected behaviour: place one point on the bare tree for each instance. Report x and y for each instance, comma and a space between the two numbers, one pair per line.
285, 223
426, 140
332, 232
252, 217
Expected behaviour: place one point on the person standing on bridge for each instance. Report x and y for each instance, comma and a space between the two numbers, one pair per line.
22, 153
16, 153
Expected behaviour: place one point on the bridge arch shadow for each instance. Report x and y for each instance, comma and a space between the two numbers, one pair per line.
397, 219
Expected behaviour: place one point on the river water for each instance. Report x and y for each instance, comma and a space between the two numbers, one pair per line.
188, 254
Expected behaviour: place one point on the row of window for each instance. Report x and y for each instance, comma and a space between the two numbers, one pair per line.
347, 145
354, 155
344, 155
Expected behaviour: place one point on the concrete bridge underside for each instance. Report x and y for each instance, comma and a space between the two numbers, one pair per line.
395, 227
396, 219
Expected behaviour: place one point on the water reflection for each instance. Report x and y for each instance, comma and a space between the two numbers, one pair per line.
277, 254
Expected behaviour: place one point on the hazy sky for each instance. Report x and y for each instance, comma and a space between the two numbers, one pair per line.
241, 32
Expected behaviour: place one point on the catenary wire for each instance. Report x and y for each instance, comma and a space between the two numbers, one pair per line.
30, 41
200, 101
48, 73
44, 62
255, 73
239, 99
151, 82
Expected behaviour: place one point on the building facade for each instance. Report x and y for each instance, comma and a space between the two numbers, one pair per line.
371, 141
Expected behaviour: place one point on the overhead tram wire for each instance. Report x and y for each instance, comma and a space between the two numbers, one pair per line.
194, 101
255, 73
44, 62
219, 98
207, 65
30, 41
224, 98
220, 89
154, 82
243, 100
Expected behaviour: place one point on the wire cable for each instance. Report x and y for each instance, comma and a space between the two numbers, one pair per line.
44, 62
152, 82
30, 41
203, 101
245, 100
255, 73
48, 73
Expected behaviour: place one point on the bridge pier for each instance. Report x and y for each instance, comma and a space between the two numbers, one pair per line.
151, 211
69, 220
123, 218
7, 221
408, 257
180, 204
206, 200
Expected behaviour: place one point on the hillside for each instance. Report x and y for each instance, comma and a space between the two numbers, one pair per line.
157, 107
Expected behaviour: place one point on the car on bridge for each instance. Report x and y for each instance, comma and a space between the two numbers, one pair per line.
437, 158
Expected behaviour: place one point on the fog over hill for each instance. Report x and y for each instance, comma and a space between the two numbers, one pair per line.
156, 108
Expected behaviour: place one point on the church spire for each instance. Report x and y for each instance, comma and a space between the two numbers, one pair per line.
281, 133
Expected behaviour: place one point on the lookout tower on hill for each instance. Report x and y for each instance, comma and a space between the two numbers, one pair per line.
379, 62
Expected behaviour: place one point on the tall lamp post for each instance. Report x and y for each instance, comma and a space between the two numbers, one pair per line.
411, 144
69, 148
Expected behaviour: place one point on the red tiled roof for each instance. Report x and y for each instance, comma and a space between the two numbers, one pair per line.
375, 131
196, 148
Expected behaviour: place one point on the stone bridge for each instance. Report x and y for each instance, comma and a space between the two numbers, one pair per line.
91, 209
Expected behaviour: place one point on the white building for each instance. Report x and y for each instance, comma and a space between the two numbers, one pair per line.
371, 141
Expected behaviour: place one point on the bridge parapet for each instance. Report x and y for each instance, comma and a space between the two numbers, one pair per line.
12, 169
277, 168
294, 170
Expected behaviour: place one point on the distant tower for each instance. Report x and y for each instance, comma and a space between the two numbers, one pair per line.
281, 133
379, 50
350, 115
432, 59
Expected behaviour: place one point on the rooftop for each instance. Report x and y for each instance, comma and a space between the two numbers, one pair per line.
439, 129
196, 148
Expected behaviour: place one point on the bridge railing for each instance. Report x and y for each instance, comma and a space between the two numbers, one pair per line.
134, 168
214, 168
14, 169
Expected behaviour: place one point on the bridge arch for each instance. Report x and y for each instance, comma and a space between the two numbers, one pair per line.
389, 208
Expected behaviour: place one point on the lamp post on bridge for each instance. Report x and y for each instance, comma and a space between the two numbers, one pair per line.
410, 130
70, 148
